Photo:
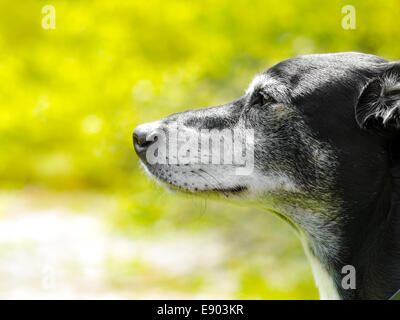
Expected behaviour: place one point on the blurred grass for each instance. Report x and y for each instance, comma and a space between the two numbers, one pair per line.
70, 98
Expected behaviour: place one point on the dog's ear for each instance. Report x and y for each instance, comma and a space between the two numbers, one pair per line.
378, 107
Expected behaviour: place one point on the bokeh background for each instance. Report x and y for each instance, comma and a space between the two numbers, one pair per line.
78, 218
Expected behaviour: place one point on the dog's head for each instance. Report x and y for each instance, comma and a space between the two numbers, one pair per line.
298, 136
311, 139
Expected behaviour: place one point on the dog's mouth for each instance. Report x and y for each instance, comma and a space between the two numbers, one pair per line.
236, 189
210, 189
195, 190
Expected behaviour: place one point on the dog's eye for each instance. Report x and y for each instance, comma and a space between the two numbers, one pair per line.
261, 98
393, 91
265, 98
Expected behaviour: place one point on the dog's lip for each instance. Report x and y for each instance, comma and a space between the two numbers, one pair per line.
236, 189
231, 190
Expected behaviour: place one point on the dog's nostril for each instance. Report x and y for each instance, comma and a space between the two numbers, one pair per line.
138, 140
143, 142
139, 135
135, 138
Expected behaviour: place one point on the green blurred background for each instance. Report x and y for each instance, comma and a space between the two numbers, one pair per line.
69, 101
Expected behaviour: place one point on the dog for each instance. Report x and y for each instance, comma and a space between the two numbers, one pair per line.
325, 157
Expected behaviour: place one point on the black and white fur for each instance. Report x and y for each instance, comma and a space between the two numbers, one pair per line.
326, 160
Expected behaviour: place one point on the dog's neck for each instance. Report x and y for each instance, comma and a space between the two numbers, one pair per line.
374, 246
368, 241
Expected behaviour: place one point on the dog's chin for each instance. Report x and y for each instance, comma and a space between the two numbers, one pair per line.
174, 187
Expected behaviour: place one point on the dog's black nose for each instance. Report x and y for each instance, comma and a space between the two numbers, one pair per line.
143, 137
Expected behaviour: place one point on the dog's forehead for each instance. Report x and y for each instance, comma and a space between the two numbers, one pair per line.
295, 75
343, 61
